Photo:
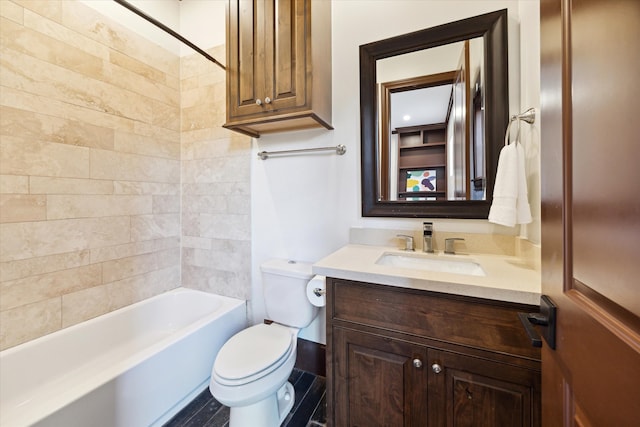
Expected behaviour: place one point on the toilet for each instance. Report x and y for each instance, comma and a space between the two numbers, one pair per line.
251, 370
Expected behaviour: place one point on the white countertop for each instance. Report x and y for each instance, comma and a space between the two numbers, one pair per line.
507, 278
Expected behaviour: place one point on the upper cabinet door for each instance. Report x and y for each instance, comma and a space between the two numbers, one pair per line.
272, 48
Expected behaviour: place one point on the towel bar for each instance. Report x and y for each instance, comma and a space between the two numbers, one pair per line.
339, 149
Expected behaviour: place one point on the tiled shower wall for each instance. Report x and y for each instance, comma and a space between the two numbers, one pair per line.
216, 221
90, 171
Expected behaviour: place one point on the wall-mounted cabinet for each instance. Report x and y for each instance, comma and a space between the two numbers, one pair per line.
422, 162
278, 65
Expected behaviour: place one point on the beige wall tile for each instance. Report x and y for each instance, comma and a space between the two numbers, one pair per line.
43, 78
200, 117
126, 142
141, 85
28, 322
14, 184
85, 304
46, 185
29, 125
219, 170
134, 248
155, 188
132, 167
16, 98
196, 242
148, 227
232, 284
92, 24
50, 8
135, 265
138, 67
24, 240
225, 226
59, 32
16, 293
33, 43
12, 270
22, 207
25, 157
166, 204
134, 289
12, 11
205, 204
91, 206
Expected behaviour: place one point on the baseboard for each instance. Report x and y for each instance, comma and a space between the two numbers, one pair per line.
312, 357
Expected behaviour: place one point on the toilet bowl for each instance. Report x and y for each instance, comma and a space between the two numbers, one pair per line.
251, 370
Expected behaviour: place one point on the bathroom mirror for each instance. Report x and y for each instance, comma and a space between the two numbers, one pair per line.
442, 166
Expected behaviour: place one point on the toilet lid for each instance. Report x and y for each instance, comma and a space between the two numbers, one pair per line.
252, 350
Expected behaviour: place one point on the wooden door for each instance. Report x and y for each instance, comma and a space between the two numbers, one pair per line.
379, 381
590, 150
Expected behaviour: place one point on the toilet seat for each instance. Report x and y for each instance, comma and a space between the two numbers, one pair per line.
253, 353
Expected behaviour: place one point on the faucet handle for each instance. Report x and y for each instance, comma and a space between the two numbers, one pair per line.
408, 242
449, 245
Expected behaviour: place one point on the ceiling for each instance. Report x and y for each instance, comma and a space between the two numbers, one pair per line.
423, 106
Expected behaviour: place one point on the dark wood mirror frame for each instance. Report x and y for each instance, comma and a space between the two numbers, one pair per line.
493, 28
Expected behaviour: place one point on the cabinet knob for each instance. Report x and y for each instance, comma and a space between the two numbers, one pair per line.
267, 100
417, 363
258, 101
436, 368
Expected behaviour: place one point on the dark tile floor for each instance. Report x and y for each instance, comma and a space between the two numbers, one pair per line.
309, 408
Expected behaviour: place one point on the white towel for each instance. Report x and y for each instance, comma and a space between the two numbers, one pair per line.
510, 205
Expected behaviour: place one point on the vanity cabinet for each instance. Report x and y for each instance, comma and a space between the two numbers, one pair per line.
278, 65
405, 357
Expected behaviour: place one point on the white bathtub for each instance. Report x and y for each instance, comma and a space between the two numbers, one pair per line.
133, 367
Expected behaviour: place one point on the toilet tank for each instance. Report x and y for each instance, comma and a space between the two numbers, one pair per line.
284, 285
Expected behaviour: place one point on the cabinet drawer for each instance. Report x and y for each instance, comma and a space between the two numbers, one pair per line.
480, 323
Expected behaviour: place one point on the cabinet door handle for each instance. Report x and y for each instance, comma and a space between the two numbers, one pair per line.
436, 368
267, 100
258, 101
417, 363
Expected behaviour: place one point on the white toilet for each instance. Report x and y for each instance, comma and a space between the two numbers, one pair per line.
251, 370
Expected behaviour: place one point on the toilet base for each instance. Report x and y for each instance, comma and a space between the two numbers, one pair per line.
268, 412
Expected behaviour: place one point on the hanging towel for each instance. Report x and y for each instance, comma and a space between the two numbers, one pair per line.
510, 205
523, 210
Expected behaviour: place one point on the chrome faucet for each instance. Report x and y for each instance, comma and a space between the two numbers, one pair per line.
408, 242
427, 237
449, 245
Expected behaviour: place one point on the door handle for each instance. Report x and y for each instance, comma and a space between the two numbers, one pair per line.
546, 319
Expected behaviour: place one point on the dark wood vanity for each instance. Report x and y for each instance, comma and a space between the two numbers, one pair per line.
408, 357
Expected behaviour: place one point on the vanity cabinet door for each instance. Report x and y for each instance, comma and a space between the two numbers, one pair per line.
473, 392
379, 381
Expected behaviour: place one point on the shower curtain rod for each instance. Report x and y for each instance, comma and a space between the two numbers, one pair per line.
168, 30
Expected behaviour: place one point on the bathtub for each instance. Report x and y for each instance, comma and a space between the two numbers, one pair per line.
133, 367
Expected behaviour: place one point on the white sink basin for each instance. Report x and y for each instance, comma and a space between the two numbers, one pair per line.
431, 263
